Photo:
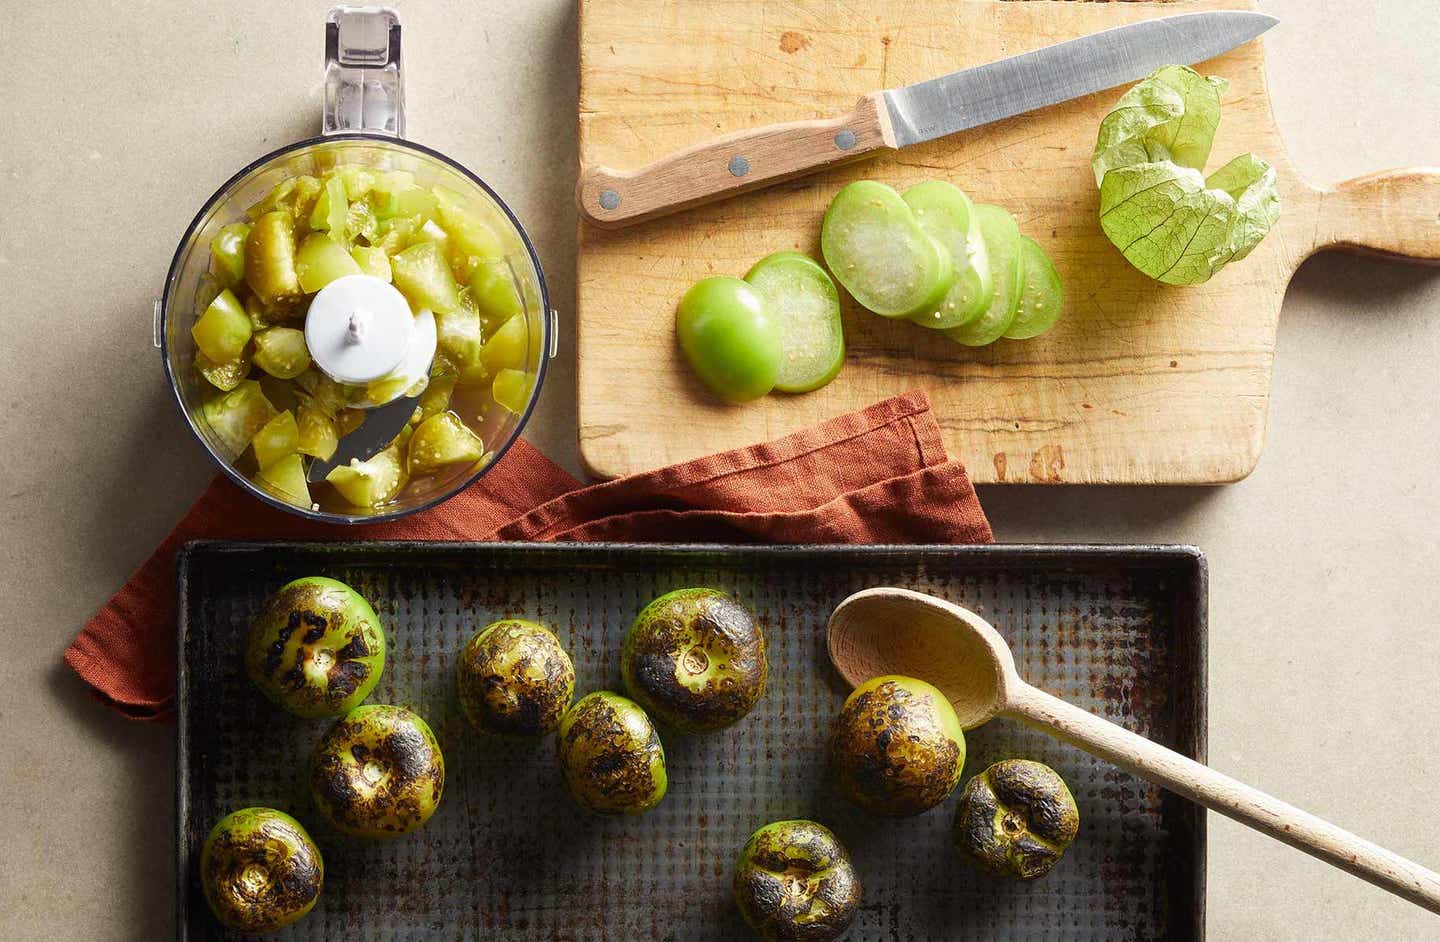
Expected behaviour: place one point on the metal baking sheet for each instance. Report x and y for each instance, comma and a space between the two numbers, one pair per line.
1117, 630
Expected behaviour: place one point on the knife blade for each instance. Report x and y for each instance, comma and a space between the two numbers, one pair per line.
379, 429
921, 112
977, 96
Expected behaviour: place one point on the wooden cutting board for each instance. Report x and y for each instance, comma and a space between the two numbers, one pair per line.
1139, 383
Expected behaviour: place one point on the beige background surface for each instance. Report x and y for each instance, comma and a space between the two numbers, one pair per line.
124, 117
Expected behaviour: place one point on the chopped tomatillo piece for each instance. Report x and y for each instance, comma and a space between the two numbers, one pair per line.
436, 397
279, 437
370, 483
812, 340
225, 376
223, 330
511, 389
731, 338
316, 432
1002, 245
423, 275
227, 254
877, 249
286, 480
281, 352
372, 261
441, 440
945, 212
320, 261
1042, 296
493, 287
331, 209
270, 258
507, 347
237, 415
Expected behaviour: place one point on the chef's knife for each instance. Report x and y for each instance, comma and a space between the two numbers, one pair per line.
900, 117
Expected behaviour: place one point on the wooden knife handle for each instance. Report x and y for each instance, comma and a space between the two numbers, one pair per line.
735, 163
1393, 212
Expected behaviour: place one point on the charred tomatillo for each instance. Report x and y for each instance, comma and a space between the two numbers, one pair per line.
794, 881
1015, 819
378, 772
317, 648
260, 871
695, 660
515, 679
610, 755
897, 748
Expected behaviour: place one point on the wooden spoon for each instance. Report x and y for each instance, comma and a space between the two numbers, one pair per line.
896, 631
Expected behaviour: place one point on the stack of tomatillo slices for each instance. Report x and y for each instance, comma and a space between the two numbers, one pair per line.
929, 255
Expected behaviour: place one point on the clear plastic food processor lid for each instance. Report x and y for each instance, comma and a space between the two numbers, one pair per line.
356, 326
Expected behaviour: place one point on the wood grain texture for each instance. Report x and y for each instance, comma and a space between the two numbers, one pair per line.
730, 165
1138, 383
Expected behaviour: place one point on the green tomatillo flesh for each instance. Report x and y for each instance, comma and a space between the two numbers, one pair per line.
1007, 271
876, 248
804, 299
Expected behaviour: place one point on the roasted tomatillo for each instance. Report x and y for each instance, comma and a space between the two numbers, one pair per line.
1015, 819
695, 660
794, 881
260, 871
317, 648
610, 755
897, 748
378, 772
515, 679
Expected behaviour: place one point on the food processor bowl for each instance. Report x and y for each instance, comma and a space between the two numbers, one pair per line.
363, 115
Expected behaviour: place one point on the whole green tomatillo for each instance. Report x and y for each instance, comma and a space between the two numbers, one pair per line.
515, 679
730, 337
1015, 819
794, 881
378, 772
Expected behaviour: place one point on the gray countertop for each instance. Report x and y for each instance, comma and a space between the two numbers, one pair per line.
124, 117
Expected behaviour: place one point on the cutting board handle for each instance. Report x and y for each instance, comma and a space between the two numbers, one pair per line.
1393, 212
726, 166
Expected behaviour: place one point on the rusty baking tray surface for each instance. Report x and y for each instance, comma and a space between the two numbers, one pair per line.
1117, 630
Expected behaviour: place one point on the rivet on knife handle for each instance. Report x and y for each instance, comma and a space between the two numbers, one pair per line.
733, 164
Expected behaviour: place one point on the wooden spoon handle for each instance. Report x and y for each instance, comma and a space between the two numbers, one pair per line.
1221, 793
1393, 212
733, 164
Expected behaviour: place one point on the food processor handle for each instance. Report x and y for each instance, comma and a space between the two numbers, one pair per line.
364, 84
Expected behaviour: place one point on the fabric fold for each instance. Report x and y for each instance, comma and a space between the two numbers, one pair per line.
879, 475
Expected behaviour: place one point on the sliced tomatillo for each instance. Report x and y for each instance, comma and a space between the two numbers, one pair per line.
945, 212
876, 248
1042, 297
730, 337
804, 299
1002, 244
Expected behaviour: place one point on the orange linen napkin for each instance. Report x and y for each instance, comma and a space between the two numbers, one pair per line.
875, 476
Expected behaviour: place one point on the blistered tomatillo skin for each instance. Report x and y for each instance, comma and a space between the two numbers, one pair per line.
897, 748
316, 648
378, 772
794, 881
260, 871
610, 755
1015, 819
695, 660
515, 679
